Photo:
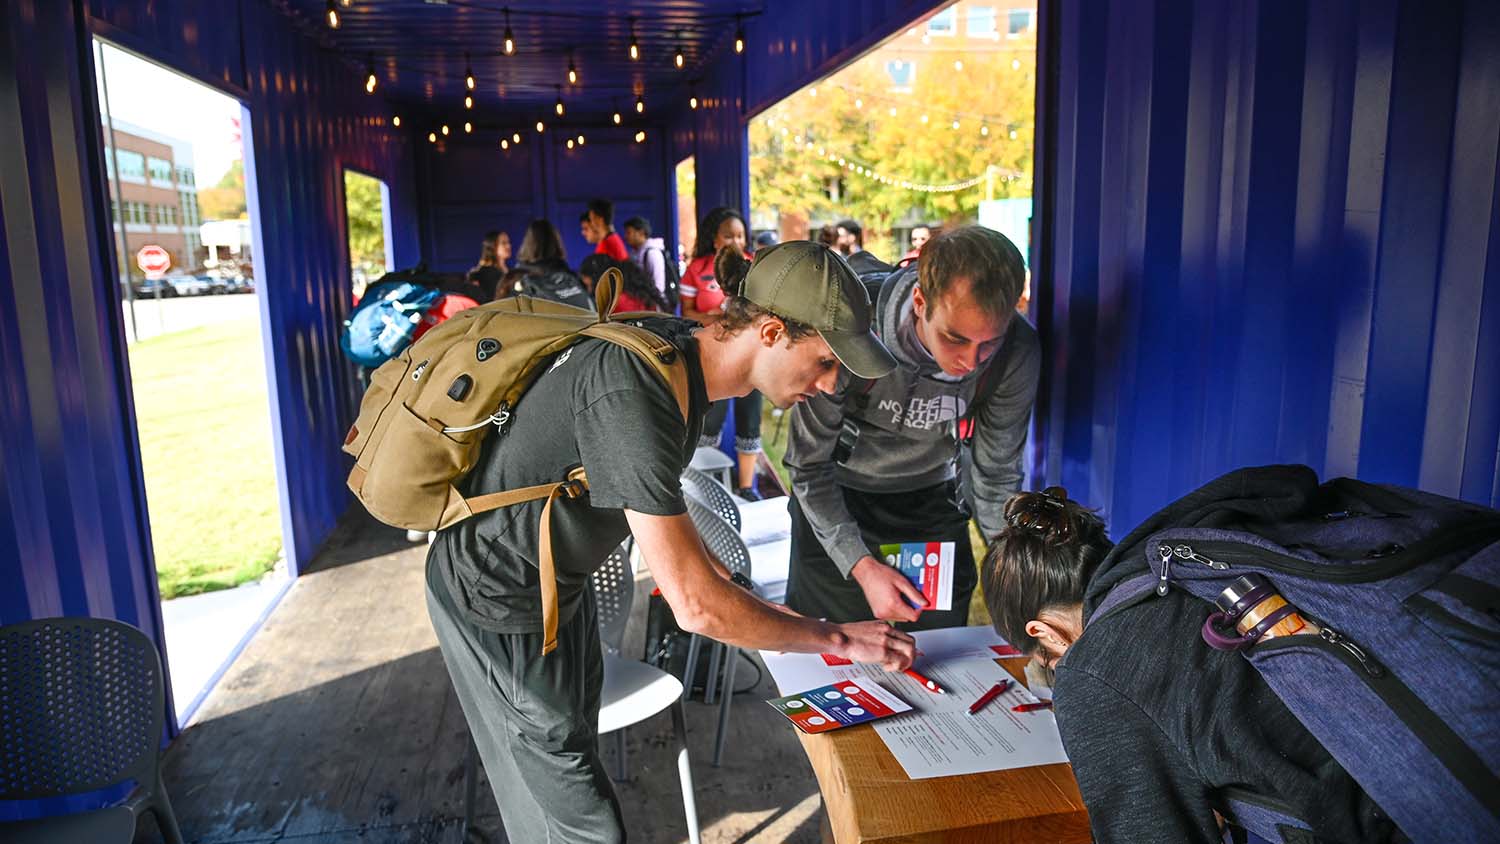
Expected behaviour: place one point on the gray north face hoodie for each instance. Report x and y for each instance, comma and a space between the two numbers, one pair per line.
908, 428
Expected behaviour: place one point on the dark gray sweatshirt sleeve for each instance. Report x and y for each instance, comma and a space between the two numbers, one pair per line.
1000, 432
809, 458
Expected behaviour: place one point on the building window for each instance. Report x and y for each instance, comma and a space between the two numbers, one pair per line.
161, 171
1019, 21
185, 176
132, 165
942, 23
982, 22
901, 72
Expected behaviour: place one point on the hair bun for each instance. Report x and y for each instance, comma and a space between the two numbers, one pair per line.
1049, 513
730, 269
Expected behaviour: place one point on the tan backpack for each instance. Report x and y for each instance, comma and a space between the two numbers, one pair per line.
428, 410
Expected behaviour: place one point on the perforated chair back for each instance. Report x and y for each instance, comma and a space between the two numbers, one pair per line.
82, 707
710, 492
614, 593
723, 541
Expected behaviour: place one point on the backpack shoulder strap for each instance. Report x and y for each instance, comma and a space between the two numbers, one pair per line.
654, 350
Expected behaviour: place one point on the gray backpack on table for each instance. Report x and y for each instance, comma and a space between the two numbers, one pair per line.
1402, 684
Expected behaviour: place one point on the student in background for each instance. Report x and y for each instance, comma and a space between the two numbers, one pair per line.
765, 239
494, 254
703, 298
649, 253
1156, 723
598, 225
545, 261
636, 292
919, 236
851, 237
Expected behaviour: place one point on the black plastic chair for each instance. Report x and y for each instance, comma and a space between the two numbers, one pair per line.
82, 708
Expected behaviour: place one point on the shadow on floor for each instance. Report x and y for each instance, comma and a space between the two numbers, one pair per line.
338, 724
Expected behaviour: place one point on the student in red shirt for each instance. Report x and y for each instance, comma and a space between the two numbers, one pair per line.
598, 227
722, 229
637, 293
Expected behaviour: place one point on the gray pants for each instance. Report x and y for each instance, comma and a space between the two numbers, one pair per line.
534, 720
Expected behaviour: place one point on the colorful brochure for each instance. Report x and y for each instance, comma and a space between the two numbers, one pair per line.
928, 565
838, 705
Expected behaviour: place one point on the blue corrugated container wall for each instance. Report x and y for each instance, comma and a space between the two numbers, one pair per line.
74, 534
1273, 238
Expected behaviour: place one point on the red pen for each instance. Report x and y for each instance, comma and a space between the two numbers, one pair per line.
984, 700
1032, 707
927, 683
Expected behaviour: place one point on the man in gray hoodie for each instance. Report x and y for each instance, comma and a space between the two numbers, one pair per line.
649, 253
878, 462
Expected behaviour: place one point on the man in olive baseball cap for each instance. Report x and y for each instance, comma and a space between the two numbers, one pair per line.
812, 284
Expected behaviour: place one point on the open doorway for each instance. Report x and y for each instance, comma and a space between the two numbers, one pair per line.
181, 234
368, 222
685, 177
934, 128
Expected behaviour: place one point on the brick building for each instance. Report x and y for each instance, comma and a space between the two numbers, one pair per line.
157, 199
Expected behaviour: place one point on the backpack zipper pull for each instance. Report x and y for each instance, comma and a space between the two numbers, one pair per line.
1185, 552
1166, 566
1334, 637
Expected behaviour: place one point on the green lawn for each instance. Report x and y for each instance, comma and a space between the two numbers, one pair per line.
774, 443
205, 428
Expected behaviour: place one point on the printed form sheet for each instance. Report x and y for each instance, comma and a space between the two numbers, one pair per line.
938, 738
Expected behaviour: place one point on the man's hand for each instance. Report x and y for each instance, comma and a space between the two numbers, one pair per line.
878, 643
886, 590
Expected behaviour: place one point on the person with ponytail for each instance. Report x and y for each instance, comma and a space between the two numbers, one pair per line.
705, 291
1166, 735
494, 253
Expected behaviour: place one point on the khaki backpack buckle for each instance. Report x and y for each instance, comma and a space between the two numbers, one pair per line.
574, 488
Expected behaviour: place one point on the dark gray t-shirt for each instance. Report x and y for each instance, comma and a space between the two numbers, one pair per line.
600, 406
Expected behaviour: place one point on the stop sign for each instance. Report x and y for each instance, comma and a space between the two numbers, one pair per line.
153, 260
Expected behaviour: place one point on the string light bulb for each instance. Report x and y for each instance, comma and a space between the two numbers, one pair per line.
444, 129
516, 137
510, 38
677, 58
640, 137
346, 3
396, 121
958, 65
468, 128
431, 137
570, 143
370, 80
984, 130
580, 140
539, 127
468, 73
693, 97
616, 116
640, 104
572, 69
739, 35
558, 106
468, 101
635, 45
332, 15
505, 143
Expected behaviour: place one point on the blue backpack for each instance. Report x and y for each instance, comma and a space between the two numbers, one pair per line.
1402, 683
383, 324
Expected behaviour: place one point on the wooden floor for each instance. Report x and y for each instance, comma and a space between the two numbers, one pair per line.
338, 724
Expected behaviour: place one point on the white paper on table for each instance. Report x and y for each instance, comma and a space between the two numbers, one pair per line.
939, 738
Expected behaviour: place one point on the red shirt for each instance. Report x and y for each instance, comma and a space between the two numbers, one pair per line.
699, 289
614, 246
626, 303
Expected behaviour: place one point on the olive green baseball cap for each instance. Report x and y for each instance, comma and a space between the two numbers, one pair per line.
812, 284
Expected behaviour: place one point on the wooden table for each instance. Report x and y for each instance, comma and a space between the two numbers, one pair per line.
870, 800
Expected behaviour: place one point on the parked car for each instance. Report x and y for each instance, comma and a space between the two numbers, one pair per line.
146, 288
190, 285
